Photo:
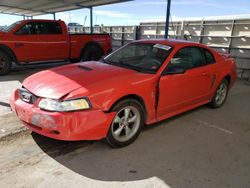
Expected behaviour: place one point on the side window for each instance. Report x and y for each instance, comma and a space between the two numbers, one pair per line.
182, 59
40, 28
187, 58
209, 57
48, 28
54, 28
198, 57
27, 29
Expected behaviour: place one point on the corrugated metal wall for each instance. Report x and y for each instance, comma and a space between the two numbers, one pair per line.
229, 36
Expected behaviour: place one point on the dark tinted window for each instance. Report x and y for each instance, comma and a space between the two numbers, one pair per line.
41, 28
188, 58
209, 57
54, 28
26, 29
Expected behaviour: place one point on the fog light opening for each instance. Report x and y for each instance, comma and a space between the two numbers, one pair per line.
55, 132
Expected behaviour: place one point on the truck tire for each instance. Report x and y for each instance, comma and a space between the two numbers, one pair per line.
5, 63
91, 52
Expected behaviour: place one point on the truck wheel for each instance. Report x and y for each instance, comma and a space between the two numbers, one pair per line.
74, 60
127, 123
5, 63
220, 95
92, 52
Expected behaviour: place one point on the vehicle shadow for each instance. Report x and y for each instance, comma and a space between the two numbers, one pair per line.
163, 150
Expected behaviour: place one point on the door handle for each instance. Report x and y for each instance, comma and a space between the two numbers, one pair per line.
204, 74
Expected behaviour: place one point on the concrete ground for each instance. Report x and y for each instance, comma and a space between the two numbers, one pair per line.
201, 148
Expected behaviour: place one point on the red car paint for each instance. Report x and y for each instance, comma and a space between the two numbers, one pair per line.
26, 48
105, 84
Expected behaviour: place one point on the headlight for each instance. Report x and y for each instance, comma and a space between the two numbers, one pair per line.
64, 106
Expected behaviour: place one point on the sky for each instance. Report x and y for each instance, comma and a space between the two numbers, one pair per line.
134, 12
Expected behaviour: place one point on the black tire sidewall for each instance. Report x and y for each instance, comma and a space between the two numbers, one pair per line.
213, 103
7, 64
128, 102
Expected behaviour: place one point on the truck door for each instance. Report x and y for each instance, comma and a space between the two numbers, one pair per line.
26, 43
54, 40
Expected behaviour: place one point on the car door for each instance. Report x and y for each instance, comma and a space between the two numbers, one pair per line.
180, 91
26, 43
53, 40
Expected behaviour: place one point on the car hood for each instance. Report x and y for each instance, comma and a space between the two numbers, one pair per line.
57, 82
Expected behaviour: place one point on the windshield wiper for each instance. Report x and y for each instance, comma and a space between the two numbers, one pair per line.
136, 68
129, 66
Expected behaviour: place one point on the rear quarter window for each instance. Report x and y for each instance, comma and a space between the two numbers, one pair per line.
209, 57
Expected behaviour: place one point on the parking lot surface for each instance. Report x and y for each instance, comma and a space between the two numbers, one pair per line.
201, 148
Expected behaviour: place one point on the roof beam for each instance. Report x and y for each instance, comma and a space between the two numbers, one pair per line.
32, 8
13, 7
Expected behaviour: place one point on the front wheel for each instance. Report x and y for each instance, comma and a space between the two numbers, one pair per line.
127, 123
220, 95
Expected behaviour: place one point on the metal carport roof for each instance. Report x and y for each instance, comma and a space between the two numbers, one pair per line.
40, 7
32, 8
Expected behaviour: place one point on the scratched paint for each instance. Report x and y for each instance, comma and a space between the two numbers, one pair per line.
43, 120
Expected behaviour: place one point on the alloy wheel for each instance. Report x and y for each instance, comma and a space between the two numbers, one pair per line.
126, 123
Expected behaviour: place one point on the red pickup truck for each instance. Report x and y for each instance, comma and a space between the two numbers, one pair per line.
33, 41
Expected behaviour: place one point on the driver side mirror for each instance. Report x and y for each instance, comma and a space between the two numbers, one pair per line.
174, 70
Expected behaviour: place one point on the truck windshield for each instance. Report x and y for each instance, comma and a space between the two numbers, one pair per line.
143, 57
10, 27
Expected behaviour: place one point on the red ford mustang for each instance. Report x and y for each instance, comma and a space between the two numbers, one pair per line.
141, 83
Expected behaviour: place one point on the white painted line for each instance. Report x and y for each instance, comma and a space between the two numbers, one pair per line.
214, 126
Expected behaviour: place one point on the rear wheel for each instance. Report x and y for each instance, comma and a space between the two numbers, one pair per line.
127, 123
220, 95
91, 52
5, 63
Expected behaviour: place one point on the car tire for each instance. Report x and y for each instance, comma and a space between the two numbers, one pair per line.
220, 94
91, 53
5, 63
127, 123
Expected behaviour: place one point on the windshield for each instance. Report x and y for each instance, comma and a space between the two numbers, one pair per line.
9, 28
143, 57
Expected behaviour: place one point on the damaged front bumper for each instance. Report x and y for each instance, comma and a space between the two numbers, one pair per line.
90, 124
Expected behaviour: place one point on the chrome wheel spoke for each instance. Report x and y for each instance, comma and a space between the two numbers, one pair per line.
217, 98
117, 119
132, 119
127, 130
118, 131
221, 94
126, 113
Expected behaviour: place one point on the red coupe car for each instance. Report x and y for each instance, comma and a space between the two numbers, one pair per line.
141, 83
